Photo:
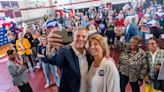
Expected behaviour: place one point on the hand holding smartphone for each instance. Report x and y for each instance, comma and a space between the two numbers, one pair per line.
67, 37
58, 38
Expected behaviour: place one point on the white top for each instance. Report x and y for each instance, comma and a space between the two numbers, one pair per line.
83, 68
104, 78
127, 28
153, 56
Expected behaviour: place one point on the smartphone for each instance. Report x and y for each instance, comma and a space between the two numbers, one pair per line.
66, 36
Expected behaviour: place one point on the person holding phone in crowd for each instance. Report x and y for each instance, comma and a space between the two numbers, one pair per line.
73, 59
47, 68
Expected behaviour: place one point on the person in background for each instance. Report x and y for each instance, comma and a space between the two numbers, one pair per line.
77, 21
144, 29
13, 41
131, 29
23, 47
92, 12
18, 72
68, 21
93, 25
103, 75
47, 68
28, 35
109, 31
155, 58
84, 21
37, 42
120, 21
102, 26
132, 64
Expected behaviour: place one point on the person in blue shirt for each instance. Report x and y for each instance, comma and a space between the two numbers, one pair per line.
47, 68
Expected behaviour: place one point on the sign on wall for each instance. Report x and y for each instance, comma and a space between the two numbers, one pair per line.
3, 37
11, 9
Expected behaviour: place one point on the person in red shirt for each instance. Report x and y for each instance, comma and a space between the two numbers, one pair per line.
119, 21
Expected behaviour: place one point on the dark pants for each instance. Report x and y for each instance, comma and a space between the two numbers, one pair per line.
124, 81
162, 85
29, 58
25, 88
158, 84
34, 53
111, 37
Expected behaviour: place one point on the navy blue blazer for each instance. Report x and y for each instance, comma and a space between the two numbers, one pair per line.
67, 60
132, 31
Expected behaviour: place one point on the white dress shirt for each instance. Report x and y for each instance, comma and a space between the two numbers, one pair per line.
83, 68
127, 28
153, 56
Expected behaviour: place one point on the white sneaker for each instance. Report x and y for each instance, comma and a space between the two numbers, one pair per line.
48, 85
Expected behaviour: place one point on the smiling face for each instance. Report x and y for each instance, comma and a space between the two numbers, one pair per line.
98, 46
12, 55
152, 45
95, 48
80, 38
21, 35
44, 41
134, 42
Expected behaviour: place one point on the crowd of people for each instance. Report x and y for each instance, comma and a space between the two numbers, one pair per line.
85, 64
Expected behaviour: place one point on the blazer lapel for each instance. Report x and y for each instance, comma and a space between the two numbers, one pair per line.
158, 56
75, 62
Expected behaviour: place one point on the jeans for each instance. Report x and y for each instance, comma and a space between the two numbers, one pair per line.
46, 69
124, 81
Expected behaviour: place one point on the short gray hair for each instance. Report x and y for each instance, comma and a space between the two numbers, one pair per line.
80, 28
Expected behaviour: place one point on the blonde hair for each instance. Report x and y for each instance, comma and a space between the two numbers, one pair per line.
102, 43
43, 36
21, 34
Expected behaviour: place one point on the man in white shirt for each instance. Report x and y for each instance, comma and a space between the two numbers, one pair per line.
73, 60
155, 57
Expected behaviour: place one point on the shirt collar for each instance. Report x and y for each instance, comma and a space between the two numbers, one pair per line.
154, 53
77, 52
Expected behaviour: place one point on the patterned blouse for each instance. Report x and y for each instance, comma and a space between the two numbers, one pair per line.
132, 65
159, 58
